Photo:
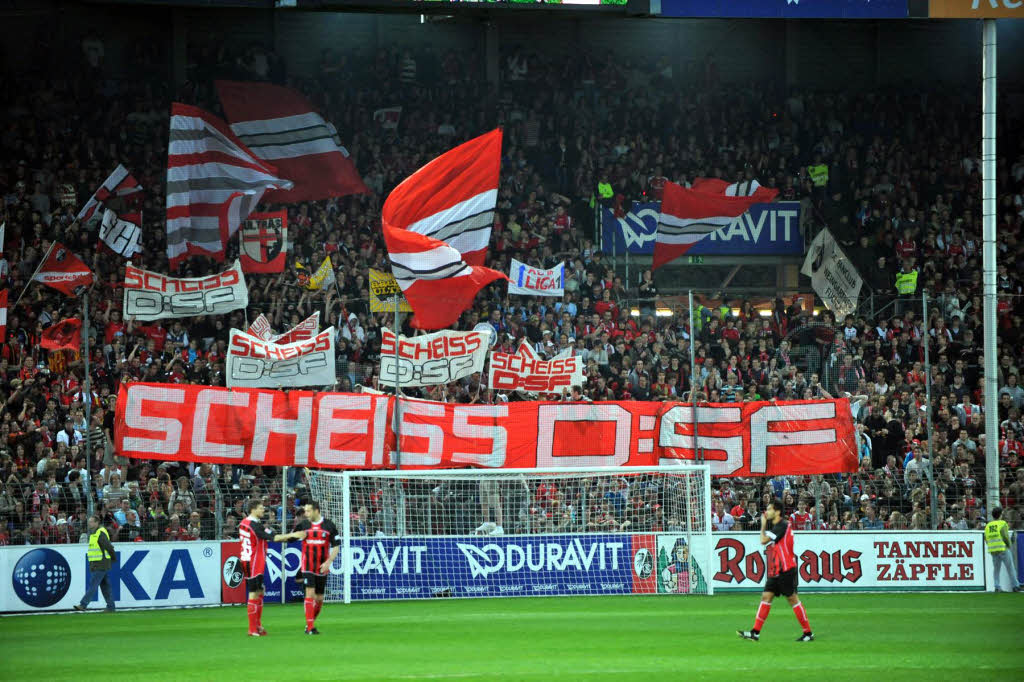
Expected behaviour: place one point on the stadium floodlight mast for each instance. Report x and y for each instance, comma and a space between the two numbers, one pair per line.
988, 258
507, 532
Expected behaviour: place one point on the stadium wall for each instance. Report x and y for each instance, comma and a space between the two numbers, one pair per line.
174, 574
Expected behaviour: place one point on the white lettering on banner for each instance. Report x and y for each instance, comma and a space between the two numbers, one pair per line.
431, 359
337, 430
668, 437
330, 425
432, 432
152, 296
882, 560
267, 424
200, 445
743, 227
540, 556
548, 417
498, 435
761, 438
378, 559
171, 427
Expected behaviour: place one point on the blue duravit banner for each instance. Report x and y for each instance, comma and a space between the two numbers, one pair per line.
771, 229
786, 9
492, 566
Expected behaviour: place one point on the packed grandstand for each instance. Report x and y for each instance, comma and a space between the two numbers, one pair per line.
900, 190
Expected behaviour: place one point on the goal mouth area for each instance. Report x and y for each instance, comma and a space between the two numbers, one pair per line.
518, 532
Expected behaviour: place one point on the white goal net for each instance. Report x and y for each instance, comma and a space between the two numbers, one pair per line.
499, 533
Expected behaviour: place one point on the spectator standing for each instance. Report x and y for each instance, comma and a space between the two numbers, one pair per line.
100, 555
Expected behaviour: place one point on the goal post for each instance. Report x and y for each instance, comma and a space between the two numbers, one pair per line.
518, 532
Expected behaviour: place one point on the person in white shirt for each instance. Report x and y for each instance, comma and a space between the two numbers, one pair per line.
721, 520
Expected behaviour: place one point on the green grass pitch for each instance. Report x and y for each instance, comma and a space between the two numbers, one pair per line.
859, 636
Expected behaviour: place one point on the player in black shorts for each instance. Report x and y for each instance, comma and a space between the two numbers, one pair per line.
777, 537
321, 543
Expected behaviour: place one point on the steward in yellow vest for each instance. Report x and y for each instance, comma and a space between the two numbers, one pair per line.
997, 541
100, 555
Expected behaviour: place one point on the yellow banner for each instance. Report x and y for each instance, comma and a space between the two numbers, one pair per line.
383, 290
323, 277
976, 9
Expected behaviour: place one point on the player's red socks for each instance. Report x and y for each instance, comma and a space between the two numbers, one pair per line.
254, 617
310, 605
259, 612
319, 605
801, 615
762, 613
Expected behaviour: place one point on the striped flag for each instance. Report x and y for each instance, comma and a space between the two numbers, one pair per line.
281, 126
437, 224
213, 184
689, 215
747, 188
119, 184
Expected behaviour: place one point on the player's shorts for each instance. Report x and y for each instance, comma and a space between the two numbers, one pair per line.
253, 583
318, 581
489, 493
783, 583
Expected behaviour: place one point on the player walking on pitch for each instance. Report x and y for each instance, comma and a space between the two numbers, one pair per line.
320, 546
254, 537
782, 572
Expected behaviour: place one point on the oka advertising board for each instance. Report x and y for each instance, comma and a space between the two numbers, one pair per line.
144, 574
850, 561
766, 229
232, 584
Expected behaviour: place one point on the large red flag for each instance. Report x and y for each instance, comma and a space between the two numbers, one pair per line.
689, 215
281, 126
65, 335
64, 271
437, 224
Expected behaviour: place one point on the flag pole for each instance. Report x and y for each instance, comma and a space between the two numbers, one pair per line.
32, 278
86, 383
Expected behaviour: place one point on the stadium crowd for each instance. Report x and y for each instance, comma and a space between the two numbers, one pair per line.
901, 187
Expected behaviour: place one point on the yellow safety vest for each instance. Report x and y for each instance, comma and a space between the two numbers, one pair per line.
906, 282
994, 536
819, 175
96, 552
604, 189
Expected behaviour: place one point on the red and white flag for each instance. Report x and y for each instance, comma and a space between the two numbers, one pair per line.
306, 329
65, 335
260, 328
213, 183
388, 118
281, 126
747, 188
437, 224
689, 215
3, 315
119, 184
64, 271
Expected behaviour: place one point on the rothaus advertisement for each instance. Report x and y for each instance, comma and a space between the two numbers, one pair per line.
152, 296
877, 561
255, 363
143, 575
438, 358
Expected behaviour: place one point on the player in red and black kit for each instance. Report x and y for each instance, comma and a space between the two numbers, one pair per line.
254, 537
782, 572
320, 546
